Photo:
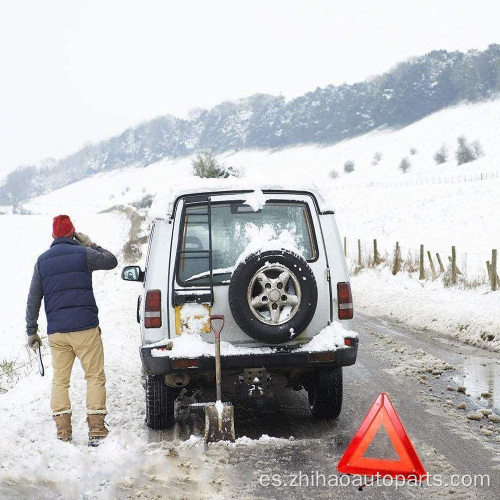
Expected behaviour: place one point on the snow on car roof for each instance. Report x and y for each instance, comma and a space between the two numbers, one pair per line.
163, 203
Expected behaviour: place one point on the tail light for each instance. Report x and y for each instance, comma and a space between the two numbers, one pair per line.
321, 356
152, 316
344, 296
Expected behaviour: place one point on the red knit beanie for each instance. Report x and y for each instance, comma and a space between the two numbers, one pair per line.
62, 227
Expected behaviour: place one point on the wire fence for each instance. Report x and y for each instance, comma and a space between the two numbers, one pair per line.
482, 176
468, 269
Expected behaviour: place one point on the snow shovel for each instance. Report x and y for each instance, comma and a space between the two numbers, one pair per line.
219, 417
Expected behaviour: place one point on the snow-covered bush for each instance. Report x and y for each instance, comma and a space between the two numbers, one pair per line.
349, 166
376, 158
405, 165
413, 151
468, 152
333, 174
441, 155
205, 165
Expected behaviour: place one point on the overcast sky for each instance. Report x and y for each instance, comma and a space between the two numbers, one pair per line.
77, 71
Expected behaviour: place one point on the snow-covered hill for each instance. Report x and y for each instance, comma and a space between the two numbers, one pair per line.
421, 206
406, 93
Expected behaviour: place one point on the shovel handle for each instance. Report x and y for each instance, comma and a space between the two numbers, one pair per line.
218, 371
216, 330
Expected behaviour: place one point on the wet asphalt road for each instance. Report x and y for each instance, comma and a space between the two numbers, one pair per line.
445, 440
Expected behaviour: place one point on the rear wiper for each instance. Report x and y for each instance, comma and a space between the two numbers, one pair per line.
215, 272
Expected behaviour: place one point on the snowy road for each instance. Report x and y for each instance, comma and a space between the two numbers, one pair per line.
138, 462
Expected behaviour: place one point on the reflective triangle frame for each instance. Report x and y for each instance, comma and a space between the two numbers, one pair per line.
382, 413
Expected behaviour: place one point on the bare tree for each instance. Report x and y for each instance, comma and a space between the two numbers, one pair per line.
405, 165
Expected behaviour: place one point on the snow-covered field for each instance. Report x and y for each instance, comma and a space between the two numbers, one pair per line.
470, 316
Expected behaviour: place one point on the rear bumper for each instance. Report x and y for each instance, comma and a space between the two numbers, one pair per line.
164, 365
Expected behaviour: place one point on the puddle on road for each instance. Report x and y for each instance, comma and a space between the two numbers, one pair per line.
478, 369
479, 375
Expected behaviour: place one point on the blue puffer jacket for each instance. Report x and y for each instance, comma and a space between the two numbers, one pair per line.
63, 277
67, 287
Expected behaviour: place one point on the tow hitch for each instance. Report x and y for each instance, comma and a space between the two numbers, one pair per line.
254, 383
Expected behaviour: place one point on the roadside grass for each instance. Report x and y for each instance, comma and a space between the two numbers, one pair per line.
8, 375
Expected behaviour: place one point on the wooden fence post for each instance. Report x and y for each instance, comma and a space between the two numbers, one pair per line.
421, 275
345, 246
376, 258
396, 265
441, 267
359, 253
453, 265
433, 270
493, 270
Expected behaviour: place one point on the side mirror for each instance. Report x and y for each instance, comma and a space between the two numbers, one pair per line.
132, 273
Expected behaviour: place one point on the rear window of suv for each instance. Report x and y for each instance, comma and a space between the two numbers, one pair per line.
235, 228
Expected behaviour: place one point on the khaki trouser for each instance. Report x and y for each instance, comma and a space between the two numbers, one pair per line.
85, 345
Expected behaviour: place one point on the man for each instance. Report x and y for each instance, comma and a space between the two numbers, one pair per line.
63, 277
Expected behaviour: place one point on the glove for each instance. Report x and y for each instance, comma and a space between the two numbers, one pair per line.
34, 341
83, 239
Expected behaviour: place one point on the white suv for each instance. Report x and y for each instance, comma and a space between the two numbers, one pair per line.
274, 269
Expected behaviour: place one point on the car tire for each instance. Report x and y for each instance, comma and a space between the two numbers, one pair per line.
160, 401
325, 393
239, 303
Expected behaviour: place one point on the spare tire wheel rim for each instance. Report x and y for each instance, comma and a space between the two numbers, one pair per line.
274, 294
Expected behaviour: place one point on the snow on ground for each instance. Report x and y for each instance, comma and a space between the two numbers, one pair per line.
471, 316
466, 215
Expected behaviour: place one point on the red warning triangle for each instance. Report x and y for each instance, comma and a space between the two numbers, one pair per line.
382, 413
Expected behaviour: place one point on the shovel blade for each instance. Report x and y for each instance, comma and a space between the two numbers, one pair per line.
219, 427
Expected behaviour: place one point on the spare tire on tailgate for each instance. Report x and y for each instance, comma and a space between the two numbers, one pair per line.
273, 295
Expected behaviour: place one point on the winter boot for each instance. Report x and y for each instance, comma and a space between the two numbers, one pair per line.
97, 429
63, 424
